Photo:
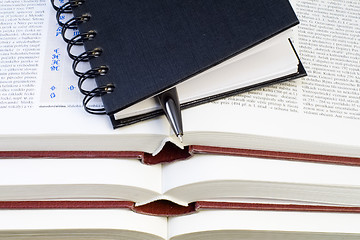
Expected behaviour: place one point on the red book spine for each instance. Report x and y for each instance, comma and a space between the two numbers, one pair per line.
166, 208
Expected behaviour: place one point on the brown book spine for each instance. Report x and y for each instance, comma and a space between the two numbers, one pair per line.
65, 204
166, 208
156, 208
70, 154
291, 156
171, 153
274, 207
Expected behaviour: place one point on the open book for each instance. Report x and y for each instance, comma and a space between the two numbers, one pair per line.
206, 224
201, 178
41, 107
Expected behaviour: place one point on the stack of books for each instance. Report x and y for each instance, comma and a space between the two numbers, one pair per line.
278, 162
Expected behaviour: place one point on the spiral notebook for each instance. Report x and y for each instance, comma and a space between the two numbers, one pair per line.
138, 49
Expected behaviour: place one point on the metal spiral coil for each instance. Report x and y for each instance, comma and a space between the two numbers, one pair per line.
86, 56
72, 24
92, 73
79, 40
97, 92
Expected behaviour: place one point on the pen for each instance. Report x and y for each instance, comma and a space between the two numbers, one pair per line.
169, 102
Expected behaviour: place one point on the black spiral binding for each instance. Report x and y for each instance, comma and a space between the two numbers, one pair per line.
85, 56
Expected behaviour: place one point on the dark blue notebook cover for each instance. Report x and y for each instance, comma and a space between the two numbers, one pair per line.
151, 45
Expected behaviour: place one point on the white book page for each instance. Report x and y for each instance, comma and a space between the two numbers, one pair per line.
259, 65
124, 179
239, 221
39, 93
80, 222
209, 177
320, 108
